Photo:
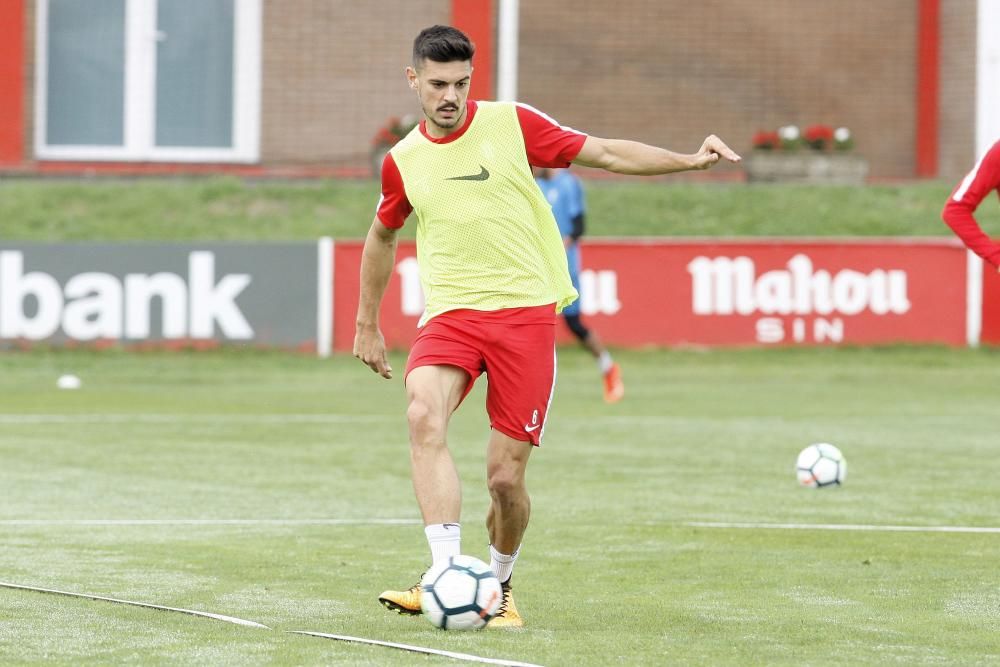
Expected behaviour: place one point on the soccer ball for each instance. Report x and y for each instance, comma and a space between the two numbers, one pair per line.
821, 465
460, 593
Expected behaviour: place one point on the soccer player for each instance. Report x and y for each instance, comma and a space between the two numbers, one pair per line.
494, 276
963, 202
564, 193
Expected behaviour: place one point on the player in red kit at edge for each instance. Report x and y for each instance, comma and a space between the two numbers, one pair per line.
958, 212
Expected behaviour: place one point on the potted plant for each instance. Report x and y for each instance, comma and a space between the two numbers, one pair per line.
386, 137
817, 154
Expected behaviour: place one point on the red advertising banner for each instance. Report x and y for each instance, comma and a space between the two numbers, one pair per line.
674, 292
991, 306
402, 304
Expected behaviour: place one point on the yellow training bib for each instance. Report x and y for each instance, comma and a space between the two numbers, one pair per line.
486, 238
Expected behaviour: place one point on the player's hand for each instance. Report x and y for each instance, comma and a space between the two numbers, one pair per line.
369, 347
712, 150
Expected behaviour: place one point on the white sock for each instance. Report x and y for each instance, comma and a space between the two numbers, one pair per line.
605, 361
502, 564
445, 540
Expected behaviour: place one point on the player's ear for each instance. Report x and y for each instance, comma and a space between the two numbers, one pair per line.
411, 77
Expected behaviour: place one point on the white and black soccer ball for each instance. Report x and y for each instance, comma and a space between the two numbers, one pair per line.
820, 465
460, 593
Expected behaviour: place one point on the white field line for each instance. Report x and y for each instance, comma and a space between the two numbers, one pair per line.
419, 649
190, 612
844, 526
210, 522
164, 418
567, 421
587, 421
415, 522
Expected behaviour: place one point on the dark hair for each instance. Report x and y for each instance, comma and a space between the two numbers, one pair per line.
442, 44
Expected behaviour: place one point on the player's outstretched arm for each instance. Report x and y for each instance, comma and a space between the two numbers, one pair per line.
376, 268
959, 210
632, 157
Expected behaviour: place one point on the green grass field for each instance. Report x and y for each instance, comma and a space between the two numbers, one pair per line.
612, 570
228, 209
275, 487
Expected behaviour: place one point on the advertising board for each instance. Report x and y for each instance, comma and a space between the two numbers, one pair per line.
676, 292
175, 294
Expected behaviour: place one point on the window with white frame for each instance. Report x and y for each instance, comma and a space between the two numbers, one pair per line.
159, 80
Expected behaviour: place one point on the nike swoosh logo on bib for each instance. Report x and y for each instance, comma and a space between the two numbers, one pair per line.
481, 176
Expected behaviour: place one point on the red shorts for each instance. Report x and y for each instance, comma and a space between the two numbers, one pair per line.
515, 347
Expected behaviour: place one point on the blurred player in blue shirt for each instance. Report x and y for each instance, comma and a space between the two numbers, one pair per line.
565, 194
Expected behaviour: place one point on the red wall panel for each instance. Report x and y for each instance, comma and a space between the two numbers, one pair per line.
475, 19
991, 306
12, 81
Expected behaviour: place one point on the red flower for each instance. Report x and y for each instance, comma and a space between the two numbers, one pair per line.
394, 130
819, 136
766, 140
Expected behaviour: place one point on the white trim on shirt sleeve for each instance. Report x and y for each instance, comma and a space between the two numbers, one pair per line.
967, 181
549, 118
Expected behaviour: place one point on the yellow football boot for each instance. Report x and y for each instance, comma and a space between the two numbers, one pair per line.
404, 602
507, 617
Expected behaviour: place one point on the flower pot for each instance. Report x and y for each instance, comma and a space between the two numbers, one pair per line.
806, 167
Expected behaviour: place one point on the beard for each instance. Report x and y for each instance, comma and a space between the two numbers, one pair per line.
446, 123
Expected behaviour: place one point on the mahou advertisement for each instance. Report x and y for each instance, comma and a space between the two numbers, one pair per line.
785, 293
675, 292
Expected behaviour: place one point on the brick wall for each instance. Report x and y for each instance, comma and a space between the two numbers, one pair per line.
670, 71
661, 71
333, 73
957, 137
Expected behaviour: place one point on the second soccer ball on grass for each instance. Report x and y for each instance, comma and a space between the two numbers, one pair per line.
821, 465
460, 593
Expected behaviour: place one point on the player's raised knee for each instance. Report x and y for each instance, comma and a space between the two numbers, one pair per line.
426, 424
504, 482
